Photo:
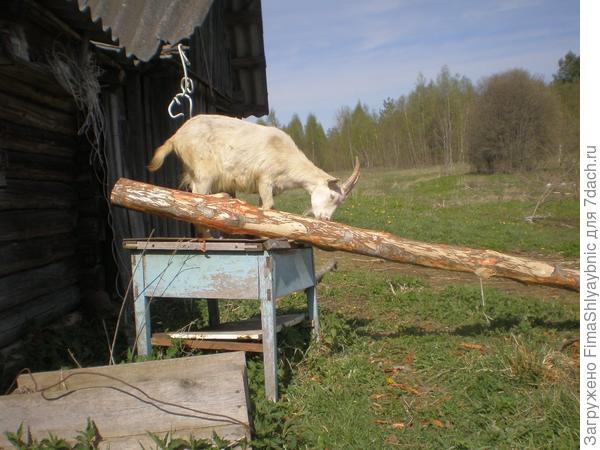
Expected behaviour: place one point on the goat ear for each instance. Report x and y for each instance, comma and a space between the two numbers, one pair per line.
333, 183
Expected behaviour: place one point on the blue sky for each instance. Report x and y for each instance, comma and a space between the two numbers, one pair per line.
322, 55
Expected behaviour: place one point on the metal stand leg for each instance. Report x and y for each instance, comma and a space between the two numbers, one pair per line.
313, 311
213, 313
143, 332
268, 317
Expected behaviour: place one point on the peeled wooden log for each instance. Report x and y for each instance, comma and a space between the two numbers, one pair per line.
238, 217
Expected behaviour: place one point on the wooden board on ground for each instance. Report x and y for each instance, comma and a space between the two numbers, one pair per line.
164, 340
196, 395
250, 329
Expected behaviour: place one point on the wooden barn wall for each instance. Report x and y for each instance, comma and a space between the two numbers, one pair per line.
39, 264
138, 122
53, 239
210, 58
57, 239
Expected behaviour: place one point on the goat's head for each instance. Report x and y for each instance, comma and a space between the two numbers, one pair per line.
326, 197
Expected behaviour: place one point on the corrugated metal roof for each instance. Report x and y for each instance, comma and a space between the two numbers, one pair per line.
140, 26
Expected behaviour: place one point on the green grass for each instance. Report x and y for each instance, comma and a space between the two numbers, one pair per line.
470, 210
423, 369
405, 362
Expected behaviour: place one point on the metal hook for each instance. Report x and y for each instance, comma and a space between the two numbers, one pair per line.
186, 85
176, 100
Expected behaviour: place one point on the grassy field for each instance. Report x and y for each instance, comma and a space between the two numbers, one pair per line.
413, 358
472, 210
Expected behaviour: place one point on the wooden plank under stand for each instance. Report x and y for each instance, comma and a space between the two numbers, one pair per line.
198, 395
233, 269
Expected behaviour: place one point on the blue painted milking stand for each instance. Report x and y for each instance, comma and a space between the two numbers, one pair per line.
222, 269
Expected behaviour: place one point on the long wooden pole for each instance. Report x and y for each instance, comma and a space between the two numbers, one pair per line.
236, 216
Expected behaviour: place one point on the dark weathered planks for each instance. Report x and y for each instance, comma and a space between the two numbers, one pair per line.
39, 311
37, 117
23, 286
27, 194
213, 384
24, 89
90, 229
23, 255
237, 216
3, 164
27, 139
27, 224
28, 166
13, 109
38, 204
36, 75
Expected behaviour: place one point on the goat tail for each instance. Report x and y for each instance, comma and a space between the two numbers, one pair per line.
159, 155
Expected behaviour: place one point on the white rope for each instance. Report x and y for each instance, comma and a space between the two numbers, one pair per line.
80, 79
187, 87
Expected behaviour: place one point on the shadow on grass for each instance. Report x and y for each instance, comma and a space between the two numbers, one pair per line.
556, 325
504, 323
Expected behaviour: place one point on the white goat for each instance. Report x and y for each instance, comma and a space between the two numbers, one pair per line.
223, 154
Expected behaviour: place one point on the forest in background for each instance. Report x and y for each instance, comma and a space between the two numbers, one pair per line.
507, 122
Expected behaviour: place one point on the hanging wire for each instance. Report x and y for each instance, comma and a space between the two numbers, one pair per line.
80, 79
186, 85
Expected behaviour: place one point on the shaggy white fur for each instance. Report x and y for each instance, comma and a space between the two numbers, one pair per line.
223, 154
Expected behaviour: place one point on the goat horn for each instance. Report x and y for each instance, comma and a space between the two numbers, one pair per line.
352, 179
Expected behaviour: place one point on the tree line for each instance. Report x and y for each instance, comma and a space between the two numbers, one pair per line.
509, 121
